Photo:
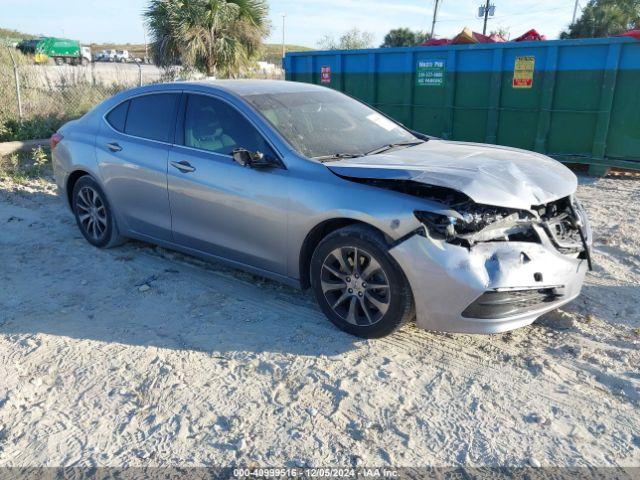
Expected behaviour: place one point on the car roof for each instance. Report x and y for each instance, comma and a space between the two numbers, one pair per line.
256, 87
236, 88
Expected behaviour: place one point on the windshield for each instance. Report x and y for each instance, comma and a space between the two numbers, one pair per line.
327, 123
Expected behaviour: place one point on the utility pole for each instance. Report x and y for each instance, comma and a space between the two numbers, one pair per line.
486, 17
283, 48
435, 16
146, 51
575, 12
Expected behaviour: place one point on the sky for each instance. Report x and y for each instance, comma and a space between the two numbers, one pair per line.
306, 21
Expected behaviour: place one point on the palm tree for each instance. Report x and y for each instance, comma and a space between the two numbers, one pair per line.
217, 37
602, 18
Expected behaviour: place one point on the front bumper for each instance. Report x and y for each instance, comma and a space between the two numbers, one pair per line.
450, 283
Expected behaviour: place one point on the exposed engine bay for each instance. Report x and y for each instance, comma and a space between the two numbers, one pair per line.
467, 223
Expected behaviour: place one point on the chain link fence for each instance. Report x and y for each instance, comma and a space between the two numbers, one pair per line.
36, 99
47, 94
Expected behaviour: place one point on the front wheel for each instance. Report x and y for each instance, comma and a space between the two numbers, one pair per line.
358, 285
94, 215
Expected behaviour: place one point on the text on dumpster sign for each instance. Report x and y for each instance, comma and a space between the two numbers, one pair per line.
430, 73
523, 72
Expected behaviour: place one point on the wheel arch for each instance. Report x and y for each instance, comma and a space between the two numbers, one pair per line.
315, 236
72, 179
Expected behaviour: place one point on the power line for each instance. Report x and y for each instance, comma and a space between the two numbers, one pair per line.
546, 10
497, 17
462, 19
509, 15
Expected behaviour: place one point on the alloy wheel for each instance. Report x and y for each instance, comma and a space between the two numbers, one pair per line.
355, 286
92, 213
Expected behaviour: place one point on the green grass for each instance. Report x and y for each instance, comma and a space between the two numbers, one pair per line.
9, 33
31, 128
45, 107
272, 52
9, 37
53, 107
22, 167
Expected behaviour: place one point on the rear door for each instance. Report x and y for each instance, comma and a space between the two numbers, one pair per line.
132, 148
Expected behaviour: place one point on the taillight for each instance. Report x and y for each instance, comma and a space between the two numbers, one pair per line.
55, 139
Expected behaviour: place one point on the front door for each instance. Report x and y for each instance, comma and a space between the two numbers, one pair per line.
218, 206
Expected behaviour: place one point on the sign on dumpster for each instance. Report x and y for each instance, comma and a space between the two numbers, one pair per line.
430, 73
523, 72
325, 74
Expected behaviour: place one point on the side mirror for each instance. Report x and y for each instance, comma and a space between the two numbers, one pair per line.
246, 158
242, 156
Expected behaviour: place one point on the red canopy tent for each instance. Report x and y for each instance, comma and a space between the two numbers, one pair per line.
631, 33
466, 36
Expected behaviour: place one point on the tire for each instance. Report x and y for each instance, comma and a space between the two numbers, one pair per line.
367, 310
58, 61
94, 215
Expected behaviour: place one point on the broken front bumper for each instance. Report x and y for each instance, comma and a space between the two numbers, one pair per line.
491, 287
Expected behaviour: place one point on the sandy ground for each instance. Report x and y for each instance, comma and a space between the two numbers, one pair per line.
211, 366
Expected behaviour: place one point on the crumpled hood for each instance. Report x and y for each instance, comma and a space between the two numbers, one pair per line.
488, 174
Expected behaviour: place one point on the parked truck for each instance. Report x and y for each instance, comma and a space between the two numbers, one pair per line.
60, 50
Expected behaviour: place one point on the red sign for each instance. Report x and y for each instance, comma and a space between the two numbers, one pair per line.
325, 75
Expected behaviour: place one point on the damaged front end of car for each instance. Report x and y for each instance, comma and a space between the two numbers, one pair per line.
485, 269
561, 220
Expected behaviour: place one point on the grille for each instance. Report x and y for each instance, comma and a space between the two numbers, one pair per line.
494, 304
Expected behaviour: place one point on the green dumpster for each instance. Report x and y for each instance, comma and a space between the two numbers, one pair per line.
576, 100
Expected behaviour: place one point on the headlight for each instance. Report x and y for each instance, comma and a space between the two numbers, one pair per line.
441, 227
477, 223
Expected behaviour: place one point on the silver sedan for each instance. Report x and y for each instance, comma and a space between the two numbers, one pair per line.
310, 187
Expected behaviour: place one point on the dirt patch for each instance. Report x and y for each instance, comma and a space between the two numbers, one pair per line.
212, 366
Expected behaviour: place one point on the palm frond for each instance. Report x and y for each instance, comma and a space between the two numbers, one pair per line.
214, 36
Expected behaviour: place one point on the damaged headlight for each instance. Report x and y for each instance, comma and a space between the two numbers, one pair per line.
440, 227
473, 223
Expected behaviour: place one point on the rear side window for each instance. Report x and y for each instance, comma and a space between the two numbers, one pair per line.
118, 116
152, 116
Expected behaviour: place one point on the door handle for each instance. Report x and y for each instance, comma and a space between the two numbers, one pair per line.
183, 166
114, 147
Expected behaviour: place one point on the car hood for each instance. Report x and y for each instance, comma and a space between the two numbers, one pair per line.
488, 174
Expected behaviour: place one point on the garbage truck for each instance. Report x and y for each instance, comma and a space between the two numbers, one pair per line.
60, 50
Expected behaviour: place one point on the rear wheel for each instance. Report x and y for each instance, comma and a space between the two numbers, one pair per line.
58, 60
94, 215
358, 285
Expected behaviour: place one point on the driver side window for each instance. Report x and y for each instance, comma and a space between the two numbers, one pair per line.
214, 125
